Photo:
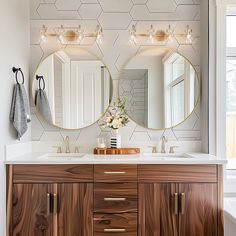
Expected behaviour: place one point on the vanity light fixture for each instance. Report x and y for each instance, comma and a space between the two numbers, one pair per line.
189, 36
168, 35
70, 35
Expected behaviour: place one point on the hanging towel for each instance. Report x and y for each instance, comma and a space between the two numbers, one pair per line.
20, 110
42, 104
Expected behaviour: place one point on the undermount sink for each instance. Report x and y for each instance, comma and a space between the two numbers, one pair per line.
167, 155
61, 156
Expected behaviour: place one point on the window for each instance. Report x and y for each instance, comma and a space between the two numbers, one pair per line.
180, 99
177, 101
231, 88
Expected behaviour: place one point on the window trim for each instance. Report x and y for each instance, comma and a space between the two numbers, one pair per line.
217, 98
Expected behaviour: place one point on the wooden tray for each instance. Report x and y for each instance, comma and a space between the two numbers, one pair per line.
116, 151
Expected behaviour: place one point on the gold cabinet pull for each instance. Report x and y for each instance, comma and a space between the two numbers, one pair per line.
48, 203
110, 199
114, 230
114, 172
176, 203
55, 205
182, 203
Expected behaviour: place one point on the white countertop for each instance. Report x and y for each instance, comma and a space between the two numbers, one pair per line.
50, 158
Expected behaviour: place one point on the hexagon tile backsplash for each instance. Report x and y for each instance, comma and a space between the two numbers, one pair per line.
116, 18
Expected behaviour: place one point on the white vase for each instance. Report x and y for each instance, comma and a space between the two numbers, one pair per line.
115, 139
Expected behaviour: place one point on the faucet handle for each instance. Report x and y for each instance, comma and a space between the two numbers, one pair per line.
76, 149
154, 149
59, 149
172, 149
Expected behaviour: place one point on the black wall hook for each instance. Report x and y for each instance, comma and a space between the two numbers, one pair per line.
15, 71
40, 79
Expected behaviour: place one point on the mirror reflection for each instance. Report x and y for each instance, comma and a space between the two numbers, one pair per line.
72, 89
161, 88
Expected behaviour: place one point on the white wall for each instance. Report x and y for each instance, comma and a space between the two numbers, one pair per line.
14, 41
204, 76
115, 51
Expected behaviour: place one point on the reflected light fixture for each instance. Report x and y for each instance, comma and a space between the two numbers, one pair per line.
132, 38
99, 34
43, 34
189, 36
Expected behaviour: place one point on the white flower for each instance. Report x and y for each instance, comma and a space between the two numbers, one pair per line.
116, 123
108, 119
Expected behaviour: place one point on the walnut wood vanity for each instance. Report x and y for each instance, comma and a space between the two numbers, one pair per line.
115, 199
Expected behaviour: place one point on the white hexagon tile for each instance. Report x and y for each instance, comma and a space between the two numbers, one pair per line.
68, 5
90, 11
161, 6
116, 17
116, 5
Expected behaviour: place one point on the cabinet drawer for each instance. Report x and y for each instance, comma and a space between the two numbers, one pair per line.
115, 197
115, 173
115, 224
177, 173
52, 173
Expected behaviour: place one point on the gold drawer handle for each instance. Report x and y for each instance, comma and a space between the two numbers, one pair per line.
176, 203
115, 172
114, 230
55, 205
182, 203
114, 199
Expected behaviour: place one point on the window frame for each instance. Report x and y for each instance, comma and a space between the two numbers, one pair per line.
217, 90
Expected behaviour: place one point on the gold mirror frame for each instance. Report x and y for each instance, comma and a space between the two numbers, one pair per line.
198, 96
33, 79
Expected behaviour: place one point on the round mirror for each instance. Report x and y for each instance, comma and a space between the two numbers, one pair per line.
72, 89
161, 88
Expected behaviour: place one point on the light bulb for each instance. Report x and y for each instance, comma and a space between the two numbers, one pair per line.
132, 38
189, 36
61, 38
43, 34
99, 38
99, 35
151, 36
43, 37
80, 34
61, 35
170, 34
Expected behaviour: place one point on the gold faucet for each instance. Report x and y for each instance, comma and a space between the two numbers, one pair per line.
67, 141
172, 149
154, 149
163, 141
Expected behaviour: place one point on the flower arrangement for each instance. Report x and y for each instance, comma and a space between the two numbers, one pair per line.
116, 116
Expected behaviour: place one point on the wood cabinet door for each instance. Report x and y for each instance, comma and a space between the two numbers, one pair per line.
198, 209
156, 209
75, 209
29, 208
